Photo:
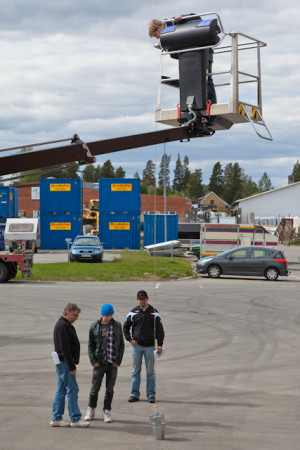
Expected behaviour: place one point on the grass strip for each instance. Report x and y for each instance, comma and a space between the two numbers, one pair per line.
132, 266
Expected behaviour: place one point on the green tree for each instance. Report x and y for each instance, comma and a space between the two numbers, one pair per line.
97, 172
88, 173
249, 187
296, 172
107, 170
136, 175
178, 175
232, 183
120, 172
186, 173
195, 187
164, 170
216, 179
264, 183
148, 177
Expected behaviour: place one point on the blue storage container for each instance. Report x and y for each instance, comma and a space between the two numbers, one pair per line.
8, 202
56, 227
2, 229
120, 230
154, 228
60, 196
120, 194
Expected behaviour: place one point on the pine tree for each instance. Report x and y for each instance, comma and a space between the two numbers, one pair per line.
148, 178
249, 186
120, 172
264, 183
178, 175
88, 173
296, 172
195, 187
97, 173
216, 180
164, 170
107, 170
186, 173
232, 183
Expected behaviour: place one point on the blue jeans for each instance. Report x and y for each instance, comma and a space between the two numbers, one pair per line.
137, 353
66, 386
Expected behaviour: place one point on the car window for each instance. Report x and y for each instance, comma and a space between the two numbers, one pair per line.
87, 241
238, 254
258, 253
279, 255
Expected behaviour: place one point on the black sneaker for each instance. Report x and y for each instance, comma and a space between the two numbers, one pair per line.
133, 399
151, 399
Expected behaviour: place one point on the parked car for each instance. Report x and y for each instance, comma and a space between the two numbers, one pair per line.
247, 261
86, 248
194, 248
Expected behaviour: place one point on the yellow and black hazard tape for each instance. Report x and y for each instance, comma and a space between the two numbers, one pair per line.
255, 114
242, 109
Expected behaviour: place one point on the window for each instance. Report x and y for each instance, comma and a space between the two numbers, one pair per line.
238, 254
258, 253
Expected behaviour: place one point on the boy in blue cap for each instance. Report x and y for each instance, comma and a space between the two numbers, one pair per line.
106, 349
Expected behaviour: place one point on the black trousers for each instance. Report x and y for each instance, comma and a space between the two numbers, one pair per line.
98, 374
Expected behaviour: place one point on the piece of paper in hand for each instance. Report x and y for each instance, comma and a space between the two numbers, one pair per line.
55, 358
158, 355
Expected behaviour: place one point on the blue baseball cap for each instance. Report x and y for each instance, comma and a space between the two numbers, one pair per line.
107, 309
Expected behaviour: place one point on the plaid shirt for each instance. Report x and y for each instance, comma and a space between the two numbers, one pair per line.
110, 354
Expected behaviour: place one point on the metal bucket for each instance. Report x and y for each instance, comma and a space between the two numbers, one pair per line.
158, 426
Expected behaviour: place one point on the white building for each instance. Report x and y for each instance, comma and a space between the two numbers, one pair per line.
280, 202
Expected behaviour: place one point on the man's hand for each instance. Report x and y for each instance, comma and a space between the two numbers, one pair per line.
159, 350
73, 372
133, 342
96, 365
115, 365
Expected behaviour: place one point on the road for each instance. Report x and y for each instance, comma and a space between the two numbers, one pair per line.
229, 378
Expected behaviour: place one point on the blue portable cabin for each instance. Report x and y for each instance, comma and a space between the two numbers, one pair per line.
60, 211
154, 228
9, 202
119, 230
120, 194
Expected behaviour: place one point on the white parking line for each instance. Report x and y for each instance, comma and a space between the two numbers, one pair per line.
157, 286
200, 286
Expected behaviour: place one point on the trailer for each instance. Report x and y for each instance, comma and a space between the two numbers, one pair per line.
10, 262
20, 238
218, 238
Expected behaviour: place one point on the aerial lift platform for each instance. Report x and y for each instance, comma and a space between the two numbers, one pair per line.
189, 43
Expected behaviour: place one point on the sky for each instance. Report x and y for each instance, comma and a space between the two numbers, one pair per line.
90, 68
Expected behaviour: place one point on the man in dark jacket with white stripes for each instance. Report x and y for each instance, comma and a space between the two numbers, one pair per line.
143, 329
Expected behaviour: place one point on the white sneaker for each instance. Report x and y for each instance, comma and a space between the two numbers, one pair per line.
106, 416
59, 423
90, 414
80, 424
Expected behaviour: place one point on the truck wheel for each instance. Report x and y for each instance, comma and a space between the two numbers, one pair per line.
214, 271
3, 272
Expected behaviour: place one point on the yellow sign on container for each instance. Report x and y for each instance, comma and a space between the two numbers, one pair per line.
119, 225
55, 226
63, 187
121, 187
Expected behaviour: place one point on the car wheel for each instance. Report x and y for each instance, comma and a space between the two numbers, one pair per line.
271, 274
3, 273
214, 271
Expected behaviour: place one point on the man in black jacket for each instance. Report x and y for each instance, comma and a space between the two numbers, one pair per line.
67, 354
142, 328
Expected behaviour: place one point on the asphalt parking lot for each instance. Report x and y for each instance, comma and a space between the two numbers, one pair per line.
229, 378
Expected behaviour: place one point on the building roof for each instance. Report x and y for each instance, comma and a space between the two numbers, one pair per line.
287, 186
201, 199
